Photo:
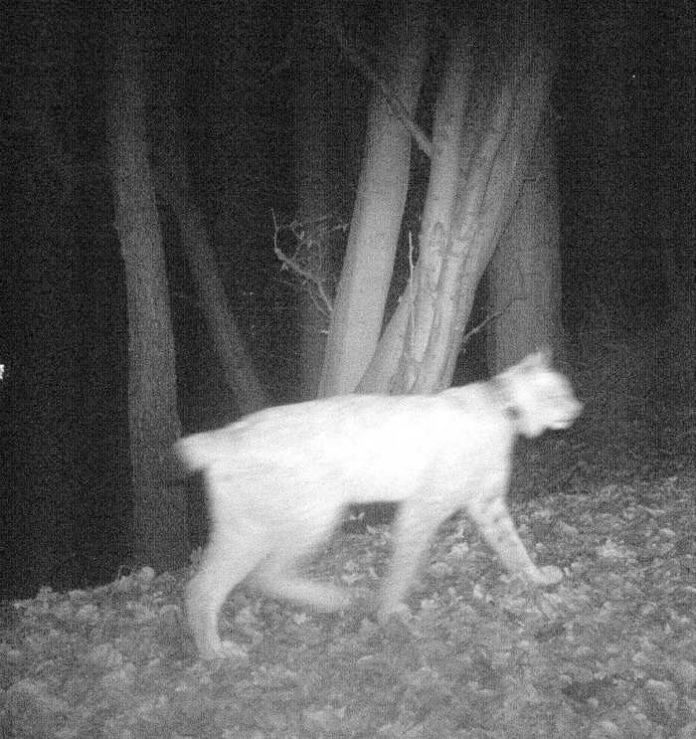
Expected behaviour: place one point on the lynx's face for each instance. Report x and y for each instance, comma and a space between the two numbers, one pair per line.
541, 397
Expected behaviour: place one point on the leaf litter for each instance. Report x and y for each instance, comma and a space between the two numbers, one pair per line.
609, 652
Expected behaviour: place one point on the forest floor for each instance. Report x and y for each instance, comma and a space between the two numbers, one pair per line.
610, 652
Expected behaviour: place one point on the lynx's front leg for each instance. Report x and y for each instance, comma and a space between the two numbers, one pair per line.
493, 520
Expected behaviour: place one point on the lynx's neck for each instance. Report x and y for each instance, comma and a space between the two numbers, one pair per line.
505, 399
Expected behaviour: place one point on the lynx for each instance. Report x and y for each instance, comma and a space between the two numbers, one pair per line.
279, 480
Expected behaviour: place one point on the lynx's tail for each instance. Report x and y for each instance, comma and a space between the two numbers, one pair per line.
195, 451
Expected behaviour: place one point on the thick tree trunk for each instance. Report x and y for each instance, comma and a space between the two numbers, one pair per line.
492, 165
358, 314
677, 243
160, 524
524, 273
448, 136
527, 87
49, 402
46, 363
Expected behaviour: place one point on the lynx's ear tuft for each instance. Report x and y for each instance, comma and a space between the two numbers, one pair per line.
542, 358
530, 363
546, 355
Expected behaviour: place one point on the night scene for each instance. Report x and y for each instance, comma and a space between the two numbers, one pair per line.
348, 369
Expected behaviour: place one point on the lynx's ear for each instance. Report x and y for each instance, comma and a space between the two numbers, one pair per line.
541, 359
545, 355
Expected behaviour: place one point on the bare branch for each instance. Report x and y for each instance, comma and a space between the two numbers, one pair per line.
299, 263
363, 66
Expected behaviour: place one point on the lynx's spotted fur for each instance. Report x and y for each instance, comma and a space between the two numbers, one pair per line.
279, 480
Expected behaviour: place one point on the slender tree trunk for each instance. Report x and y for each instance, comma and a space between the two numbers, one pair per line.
160, 526
312, 131
524, 273
173, 184
361, 297
238, 369
420, 298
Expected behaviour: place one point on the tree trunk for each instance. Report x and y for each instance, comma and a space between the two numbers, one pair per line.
677, 243
528, 85
524, 273
362, 291
312, 131
238, 369
173, 186
492, 165
420, 299
160, 524
46, 363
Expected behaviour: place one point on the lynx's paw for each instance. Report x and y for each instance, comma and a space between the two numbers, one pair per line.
224, 650
233, 651
548, 575
396, 610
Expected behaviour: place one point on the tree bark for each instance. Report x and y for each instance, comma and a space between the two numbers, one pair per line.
237, 366
524, 273
160, 520
314, 201
492, 165
173, 186
528, 86
362, 291
448, 135
46, 360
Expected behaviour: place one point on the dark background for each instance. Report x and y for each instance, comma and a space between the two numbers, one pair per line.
623, 107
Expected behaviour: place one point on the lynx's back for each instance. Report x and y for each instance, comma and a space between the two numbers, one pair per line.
374, 446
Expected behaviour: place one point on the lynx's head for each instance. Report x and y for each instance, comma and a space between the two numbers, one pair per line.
539, 397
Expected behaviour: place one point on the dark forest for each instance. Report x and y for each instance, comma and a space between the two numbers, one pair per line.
622, 118
210, 208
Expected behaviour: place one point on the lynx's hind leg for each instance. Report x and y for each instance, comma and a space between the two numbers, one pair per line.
287, 585
227, 561
277, 576
492, 518
413, 529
